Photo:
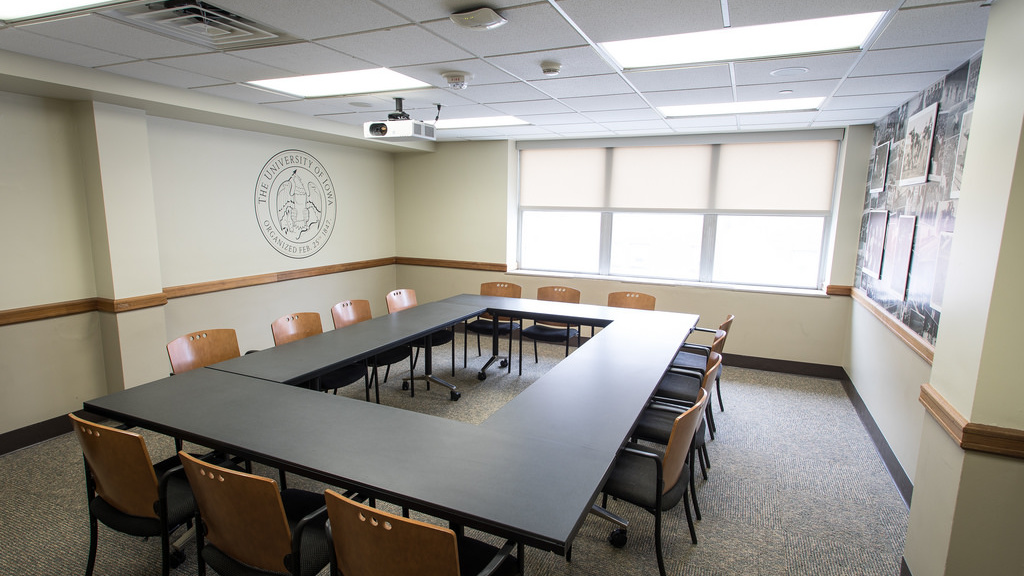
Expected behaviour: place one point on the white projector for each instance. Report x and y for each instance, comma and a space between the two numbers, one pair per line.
399, 130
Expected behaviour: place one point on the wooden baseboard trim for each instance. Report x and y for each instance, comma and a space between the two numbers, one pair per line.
971, 435
458, 264
911, 338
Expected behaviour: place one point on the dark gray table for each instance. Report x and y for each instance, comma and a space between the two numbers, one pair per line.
303, 360
530, 472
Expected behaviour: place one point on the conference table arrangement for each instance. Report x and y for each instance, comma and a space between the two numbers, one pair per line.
529, 473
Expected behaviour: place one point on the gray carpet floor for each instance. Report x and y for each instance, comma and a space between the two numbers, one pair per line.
795, 487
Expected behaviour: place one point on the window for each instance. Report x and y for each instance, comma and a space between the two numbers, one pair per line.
735, 211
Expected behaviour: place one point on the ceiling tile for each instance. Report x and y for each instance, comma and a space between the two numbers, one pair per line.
680, 78
638, 114
529, 107
225, 66
244, 93
698, 96
802, 118
888, 84
811, 89
934, 25
315, 18
944, 57
698, 123
155, 72
753, 12
479, 71
578, 61
400, 46
511, 92
555, 119
421, 11
857, 114
302, 58
608, 20
821, 67
529, 29
112, 36
22, 42
583, 86
867, 101
595, 103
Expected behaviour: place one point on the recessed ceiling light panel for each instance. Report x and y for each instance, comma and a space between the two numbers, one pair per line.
748, 107
340, 83
818, 35
481, 122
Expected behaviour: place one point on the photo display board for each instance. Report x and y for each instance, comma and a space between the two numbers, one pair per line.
911, 200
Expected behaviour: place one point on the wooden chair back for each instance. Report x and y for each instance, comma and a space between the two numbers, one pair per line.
505, 289
400, 299
296, 327
637, 300
349, 312
557, 294
242, 513
120, 466
719, 342
679, 440
368, 542
202, 348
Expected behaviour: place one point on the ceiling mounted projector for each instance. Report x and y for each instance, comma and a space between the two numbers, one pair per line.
399, 127
479, 19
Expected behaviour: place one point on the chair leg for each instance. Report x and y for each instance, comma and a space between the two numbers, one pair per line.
386, 372
93, 534
535, 359
704, 455
657, 540
465, 342
453, 351
566, 340
711, 421
689, 520
718, 386
693, 483
478, 352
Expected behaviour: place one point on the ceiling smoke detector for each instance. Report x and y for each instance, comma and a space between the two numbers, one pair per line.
549, 68
479, 19
456, 80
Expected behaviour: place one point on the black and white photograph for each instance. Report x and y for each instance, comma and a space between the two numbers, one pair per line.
903, 247
879, 166
874, 243
918, 146
961, 154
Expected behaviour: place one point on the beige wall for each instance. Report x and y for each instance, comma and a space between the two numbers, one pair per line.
106, 201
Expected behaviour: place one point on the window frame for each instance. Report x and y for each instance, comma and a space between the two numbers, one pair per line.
710, 215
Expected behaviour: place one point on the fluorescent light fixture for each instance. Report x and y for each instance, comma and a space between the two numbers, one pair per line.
746, 42
481, 122
11, 10
339, 83
749, 107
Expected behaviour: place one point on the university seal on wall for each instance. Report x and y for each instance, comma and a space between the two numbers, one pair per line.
295, 203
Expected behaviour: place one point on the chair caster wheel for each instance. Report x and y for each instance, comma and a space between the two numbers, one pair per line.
176, 559
617, 538
405, 385
456, 395
481, 375
503, 364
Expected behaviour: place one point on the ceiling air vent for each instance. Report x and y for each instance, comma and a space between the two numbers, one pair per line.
200, 23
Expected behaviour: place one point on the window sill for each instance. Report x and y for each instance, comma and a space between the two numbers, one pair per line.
813, 293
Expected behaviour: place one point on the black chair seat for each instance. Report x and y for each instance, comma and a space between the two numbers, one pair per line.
343, 376
549, 333
633, 476
181, 506
485, 326
316, 548
438, 338
679, 387
690, 360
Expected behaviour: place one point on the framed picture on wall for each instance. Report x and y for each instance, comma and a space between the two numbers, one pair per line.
879, 164
961, 153
917, 146
874, 243
903, 247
